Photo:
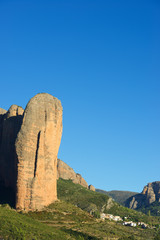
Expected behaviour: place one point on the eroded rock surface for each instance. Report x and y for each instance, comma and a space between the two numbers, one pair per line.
66, 172
37, 147
2, 111
92, 188
29, 143
150, 194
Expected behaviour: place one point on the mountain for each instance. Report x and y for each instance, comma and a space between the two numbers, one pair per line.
118, 196
148, 200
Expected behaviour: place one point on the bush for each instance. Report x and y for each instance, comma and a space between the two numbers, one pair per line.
96, 214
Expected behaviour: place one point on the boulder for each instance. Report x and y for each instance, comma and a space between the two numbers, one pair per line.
92, 188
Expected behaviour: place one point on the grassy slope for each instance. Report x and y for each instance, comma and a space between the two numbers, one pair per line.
63, 220
86, 200
81, 225
153, 209
83, 198
14, 225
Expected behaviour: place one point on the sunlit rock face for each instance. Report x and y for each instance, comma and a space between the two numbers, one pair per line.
29, 143
149, 195
66, 172
37, 147
92, 188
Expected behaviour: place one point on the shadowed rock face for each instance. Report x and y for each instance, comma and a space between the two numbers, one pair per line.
2, 115
9, 127
29, 144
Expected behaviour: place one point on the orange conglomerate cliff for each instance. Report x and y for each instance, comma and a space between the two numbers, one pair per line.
29, 147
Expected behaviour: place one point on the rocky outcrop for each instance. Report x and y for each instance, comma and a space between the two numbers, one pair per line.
149, 195
66, 172
9, 127
29, 144
2, 111
2, 115
92, 188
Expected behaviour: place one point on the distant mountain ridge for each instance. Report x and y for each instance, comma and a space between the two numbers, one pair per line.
118, 196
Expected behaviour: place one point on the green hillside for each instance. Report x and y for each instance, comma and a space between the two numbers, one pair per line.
94, 201
118, 196
65, 219
153, 209
83, 198
14, 225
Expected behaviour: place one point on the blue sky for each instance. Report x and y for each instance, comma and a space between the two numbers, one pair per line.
101, 58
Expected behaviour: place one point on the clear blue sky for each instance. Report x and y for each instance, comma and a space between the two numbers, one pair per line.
101, 58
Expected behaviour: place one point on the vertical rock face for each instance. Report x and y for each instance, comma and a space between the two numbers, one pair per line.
2, 114
10, 123
29, 143
150, 194
37, 147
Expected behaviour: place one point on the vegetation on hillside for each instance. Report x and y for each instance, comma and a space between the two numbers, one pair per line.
153, 209
65, 219
14, 225
94, 201
118, 196
81, 197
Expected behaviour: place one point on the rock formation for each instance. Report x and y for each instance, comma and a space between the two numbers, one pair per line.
2, 111
29, 144
66, 172
9, 126
149, 195
92, 188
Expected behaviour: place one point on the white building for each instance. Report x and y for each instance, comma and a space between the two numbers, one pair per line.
131, 224
104, 216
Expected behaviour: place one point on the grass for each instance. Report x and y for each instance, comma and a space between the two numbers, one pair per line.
92, 201
65, 219
14, 225
78, 223
153, 209
81, 197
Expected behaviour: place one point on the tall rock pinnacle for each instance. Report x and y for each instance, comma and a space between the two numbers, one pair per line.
29, 143
37, 147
